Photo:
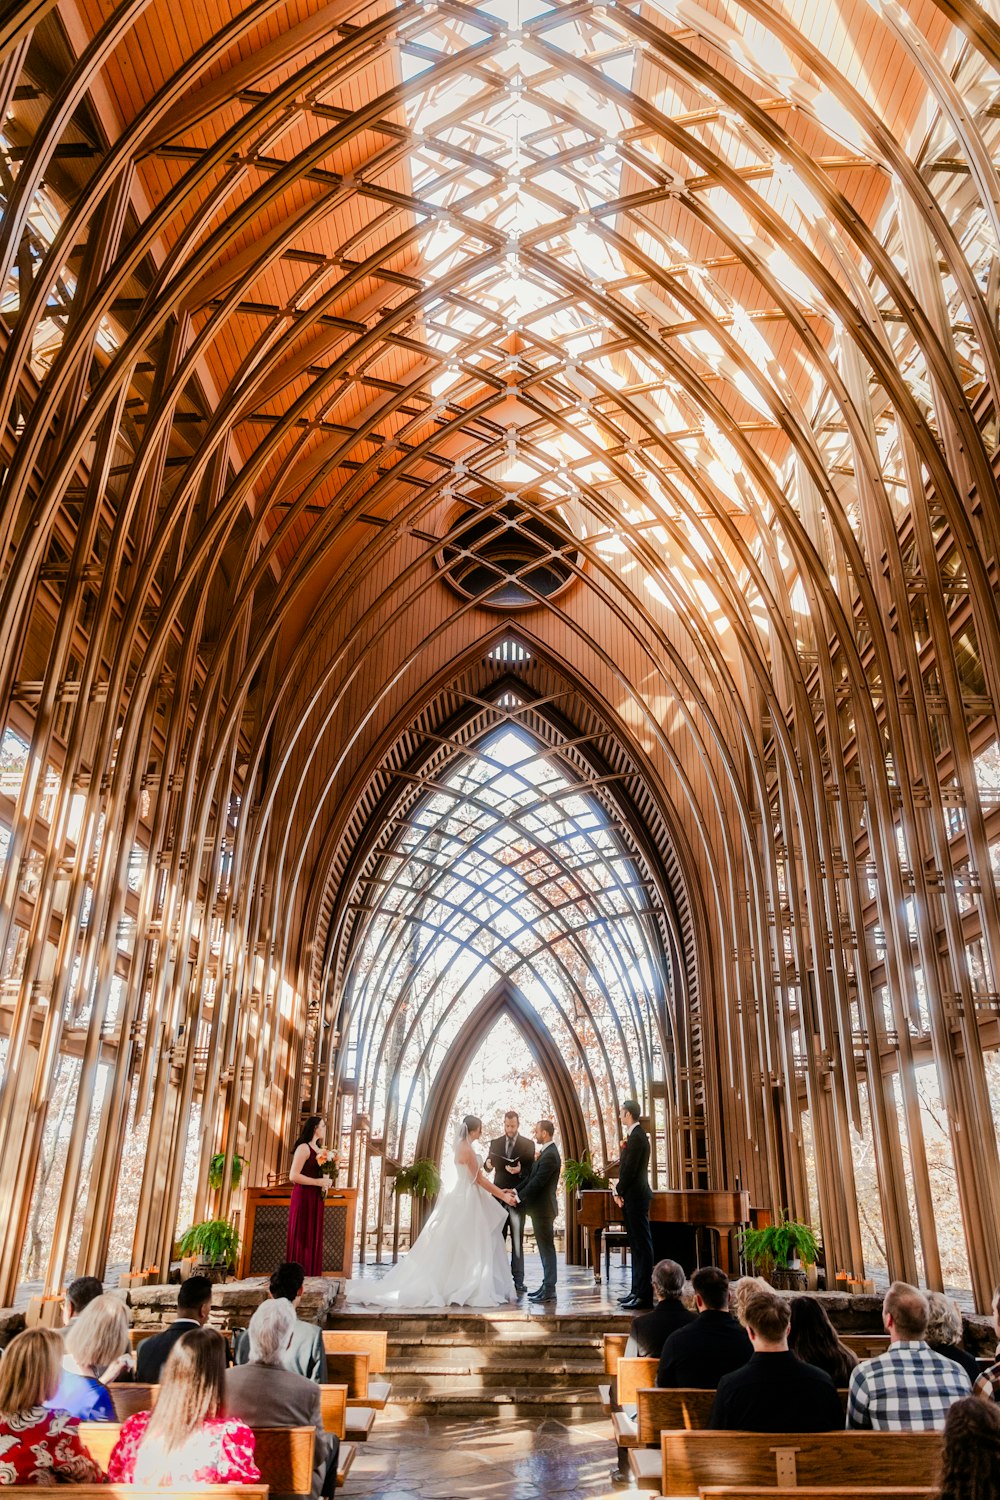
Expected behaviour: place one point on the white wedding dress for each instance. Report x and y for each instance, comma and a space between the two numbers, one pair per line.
459, 1257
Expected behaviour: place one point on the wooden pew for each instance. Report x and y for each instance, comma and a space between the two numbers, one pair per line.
691, 1461
811, 1492
632, 1376
333, 1409
866, 1345
144, 1492
375, 1343
129, 1397
614, 1345
281, 1454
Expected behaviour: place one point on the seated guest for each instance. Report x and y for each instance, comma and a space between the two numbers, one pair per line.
194, 1305
78, 1294
944, 1332
95, 1341
305, 1355
650, 1330
740, 1293
909, 1388
987, 1384
970, 1459
185, 1440
266, 1394
814, 1339
776, 1391
38, 1445
700, 1354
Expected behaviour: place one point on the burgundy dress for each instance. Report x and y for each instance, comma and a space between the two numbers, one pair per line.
305, 1220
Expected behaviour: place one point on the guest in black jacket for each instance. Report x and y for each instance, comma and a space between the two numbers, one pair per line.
776, 1391
699, 1355
194, 1304
633, 1194
651, 1330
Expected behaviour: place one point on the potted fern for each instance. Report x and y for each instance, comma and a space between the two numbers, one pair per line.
579, 1176
217, 1166
779, 1252
216, 1242
421, 1180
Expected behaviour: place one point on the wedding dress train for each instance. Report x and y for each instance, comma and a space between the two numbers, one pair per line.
459, 1257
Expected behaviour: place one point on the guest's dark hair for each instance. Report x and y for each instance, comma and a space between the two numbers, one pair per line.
970, 1459
305, 1135
712, 1286
287, 1281
814, 1339
83, 1290
194, 1293
472, 1122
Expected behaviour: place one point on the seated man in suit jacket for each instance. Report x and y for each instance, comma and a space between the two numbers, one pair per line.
305, 1355
263, 1393
651, 1330
699, 1355
194, 1304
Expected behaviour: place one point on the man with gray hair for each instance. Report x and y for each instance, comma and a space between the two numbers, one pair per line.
651, 1330
263, 1393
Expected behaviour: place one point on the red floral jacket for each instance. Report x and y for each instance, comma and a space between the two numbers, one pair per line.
43, 1447
220, 1453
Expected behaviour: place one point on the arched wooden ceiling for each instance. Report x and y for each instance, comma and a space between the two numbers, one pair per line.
711, 292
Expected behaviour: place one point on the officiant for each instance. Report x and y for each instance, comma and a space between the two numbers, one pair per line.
510, 1159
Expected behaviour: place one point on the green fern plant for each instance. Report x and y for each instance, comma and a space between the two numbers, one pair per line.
215, 1240
421, 1180
217, 1166
776, 1244
581, 1175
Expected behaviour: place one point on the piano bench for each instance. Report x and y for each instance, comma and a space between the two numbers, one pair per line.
614, 1239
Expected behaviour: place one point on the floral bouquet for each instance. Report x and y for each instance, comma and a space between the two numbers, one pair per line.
327, 1163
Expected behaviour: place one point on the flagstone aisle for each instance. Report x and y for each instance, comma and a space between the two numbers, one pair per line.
442, 1458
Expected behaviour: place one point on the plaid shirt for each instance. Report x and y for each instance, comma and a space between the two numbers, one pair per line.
988, 1383
909, 1388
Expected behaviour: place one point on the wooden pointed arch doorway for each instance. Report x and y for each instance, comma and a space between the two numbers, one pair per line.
505, 999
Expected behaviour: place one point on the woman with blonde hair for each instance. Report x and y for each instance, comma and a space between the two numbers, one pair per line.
944, 1332
740, 1293
185, 1440
38, 1446
96, 1344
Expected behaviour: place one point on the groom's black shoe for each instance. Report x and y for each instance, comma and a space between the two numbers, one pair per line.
520, 1290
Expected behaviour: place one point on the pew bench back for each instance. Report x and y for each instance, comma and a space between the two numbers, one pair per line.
695, 1460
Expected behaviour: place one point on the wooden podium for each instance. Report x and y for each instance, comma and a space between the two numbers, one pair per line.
265, 1230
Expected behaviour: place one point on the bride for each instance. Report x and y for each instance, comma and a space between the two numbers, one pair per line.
459, 1255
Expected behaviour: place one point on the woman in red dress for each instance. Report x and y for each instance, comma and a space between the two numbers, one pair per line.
186, 1440
38, 1446
309, 1188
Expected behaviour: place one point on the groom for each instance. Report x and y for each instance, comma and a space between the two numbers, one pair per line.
539, 1197
510, 1159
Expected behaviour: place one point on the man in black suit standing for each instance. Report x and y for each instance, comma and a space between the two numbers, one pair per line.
539, 1195
194, 1304
510, 1159
632, 1194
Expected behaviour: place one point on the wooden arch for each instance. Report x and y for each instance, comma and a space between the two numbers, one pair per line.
505, 999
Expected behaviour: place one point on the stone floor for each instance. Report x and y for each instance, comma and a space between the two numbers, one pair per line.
437, 1458
576, 1289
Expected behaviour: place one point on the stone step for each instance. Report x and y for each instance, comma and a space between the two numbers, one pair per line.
407, 1375
514, 1351
524, 1403
485, 1327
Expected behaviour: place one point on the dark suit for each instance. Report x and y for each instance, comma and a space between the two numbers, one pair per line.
152, 1355
777, 1392
651, 1330
634, 1191
699, 1355
523, 1151
540, 1197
